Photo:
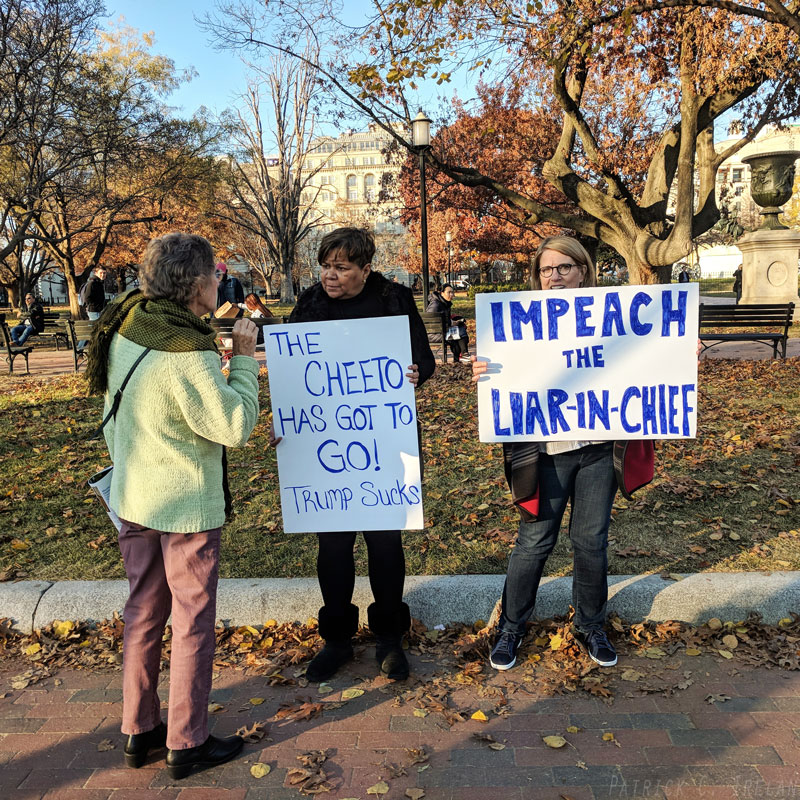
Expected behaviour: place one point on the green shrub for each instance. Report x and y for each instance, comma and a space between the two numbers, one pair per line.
498, 287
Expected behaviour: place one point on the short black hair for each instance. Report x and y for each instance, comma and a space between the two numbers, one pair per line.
357, 244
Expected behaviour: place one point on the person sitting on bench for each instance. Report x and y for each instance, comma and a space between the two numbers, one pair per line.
32, 325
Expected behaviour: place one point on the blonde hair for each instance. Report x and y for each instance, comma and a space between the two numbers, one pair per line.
567, 246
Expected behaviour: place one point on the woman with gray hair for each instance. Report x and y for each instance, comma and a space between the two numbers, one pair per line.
167, 436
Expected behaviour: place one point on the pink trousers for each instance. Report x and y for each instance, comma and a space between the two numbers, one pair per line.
169, 573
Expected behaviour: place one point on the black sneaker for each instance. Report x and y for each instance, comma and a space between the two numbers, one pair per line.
596, 643
504, 652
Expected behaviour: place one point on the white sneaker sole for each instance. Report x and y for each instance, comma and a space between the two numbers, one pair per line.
502, 667
601, 663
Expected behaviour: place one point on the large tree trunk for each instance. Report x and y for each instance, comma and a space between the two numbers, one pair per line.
72, 292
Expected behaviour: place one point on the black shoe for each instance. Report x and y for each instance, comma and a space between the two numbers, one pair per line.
326, 663
212, 752
391, 658
504, 652
596, 644
140, 744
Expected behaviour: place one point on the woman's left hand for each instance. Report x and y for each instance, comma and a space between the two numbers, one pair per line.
413, 374
274, 440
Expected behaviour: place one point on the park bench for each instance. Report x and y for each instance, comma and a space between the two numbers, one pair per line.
54, 333
436, 329
79, 332
765, 323
12, 350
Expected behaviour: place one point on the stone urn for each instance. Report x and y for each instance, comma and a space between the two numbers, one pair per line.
771, 183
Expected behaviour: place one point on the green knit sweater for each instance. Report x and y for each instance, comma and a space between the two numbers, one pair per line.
176, 414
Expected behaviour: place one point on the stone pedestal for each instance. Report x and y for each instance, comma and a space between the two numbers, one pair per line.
769, 267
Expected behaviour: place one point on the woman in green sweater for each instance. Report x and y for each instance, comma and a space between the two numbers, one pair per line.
169, 487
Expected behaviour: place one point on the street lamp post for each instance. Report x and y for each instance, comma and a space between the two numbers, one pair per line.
448, 237
421, 138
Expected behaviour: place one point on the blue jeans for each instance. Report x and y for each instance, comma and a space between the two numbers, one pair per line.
20, 333
586, 478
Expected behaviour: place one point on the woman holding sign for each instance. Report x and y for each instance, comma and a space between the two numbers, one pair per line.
348, 289
543, 477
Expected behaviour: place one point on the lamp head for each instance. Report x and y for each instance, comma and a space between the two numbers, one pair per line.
421, 130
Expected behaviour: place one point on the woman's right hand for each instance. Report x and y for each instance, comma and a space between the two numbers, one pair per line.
479, 368
244, 335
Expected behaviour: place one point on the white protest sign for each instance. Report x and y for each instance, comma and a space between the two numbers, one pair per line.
349, 459
588, 364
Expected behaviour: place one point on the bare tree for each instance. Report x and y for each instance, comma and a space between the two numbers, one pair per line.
42, 44
271, 182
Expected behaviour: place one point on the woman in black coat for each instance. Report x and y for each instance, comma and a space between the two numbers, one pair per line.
457, 338
348, 289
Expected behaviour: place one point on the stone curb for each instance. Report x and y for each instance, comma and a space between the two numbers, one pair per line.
434, 599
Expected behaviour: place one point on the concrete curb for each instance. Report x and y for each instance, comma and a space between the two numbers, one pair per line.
434, 599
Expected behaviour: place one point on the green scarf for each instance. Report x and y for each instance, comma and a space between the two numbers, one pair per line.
157, 324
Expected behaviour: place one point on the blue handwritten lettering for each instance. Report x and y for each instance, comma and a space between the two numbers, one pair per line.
556, 307
670, 314
630, 392
521, 317
582, 315
637, 326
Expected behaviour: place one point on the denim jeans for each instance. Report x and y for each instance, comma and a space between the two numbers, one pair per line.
20, 333
586, 478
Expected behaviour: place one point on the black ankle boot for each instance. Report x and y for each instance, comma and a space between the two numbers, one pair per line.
336, 627
140, 744
326, 663
389, 627
391, 658
212, 752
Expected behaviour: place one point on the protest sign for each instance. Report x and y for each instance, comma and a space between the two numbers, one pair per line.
349, 459
588, 364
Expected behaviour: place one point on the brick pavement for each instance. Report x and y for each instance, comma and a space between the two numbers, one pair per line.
670, 747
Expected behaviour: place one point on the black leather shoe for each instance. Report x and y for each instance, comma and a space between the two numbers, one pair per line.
140, 744
326, 663
212, 752
391, 658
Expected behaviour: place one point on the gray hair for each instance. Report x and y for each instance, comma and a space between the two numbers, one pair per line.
174, 265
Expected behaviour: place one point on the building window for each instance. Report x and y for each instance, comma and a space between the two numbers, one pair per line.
738, 175
738, 191
369, 187
352, 187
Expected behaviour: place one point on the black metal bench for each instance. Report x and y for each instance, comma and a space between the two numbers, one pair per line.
12, 350
765, 323
437, 330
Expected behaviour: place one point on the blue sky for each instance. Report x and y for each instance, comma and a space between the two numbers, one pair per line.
221, 75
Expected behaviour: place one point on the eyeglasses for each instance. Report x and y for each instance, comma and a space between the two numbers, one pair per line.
563, 269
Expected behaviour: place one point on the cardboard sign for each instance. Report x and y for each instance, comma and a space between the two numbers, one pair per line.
588, 364
349, 459
227, 310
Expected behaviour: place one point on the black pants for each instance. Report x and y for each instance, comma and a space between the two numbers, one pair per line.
336, 568
459, 347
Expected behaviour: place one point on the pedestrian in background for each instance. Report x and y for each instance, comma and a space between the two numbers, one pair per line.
229, 289
31, 325
737, 283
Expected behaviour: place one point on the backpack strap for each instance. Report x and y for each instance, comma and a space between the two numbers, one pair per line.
112, 412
